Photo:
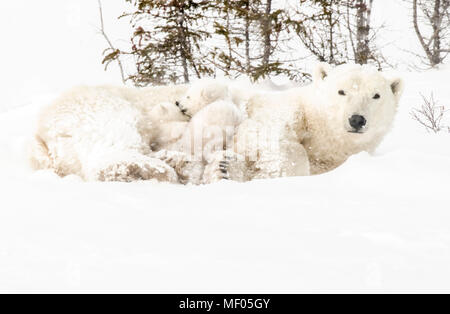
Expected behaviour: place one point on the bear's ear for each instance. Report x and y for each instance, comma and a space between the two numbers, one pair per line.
321, 71
161, 109
397, 87
214, 91
164, 108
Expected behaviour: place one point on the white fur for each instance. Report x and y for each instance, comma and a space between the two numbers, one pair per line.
206, 91
306, 131
210, 130
104, 133
170, 125
203, 93
123, 134
210, 133
109, 133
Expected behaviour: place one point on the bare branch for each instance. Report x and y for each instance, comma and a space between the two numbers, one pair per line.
111, 46
418, 32
430, 115
431, 20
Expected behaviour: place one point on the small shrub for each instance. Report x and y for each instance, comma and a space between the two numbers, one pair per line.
430, 115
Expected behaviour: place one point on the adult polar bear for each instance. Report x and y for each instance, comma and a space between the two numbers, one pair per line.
314, 129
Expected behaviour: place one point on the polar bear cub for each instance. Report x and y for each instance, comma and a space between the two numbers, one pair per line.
214, 114
202, 93
207, 91
169, 125
209, 134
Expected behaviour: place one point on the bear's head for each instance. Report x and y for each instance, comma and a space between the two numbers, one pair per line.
168, 112
360, 101
202, 93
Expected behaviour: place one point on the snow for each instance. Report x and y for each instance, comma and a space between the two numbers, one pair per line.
53, 45
377, 224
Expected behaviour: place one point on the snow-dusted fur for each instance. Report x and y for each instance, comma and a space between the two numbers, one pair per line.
208, 136
215, 117
104, 133
203, 93
124, 134
307, 130
170, 125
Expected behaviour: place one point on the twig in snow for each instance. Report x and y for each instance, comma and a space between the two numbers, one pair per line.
430, 115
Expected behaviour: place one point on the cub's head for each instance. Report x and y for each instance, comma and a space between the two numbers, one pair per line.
361, 101
202, 93
168, 112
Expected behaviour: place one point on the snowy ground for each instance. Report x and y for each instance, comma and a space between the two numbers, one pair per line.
378, 223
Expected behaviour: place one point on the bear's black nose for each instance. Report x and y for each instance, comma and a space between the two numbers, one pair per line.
357, 122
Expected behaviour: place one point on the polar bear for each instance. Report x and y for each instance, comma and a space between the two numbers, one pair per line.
202, 93
205, 141
314, 129
215, 117
206, 91
170, 124
124, 134
104, 133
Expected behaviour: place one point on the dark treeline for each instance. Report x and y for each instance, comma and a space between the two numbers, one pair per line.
177, 40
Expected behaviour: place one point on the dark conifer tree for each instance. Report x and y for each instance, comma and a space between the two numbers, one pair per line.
249, 33
321, 27
167, 40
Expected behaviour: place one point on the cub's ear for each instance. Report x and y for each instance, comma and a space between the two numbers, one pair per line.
321, 71
214, 91
397, 87
163, 109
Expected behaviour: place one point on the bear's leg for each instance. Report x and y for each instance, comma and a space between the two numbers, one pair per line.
290, 160
295, 161
128, 167
225, 165
187, 168
271, 151
38, 154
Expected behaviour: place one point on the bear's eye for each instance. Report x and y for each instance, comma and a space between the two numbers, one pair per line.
377, 96
342, 93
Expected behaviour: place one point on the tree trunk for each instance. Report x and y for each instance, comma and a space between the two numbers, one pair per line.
247, 37
363, 31
230, 50
184, 47
185, 69
329, 12
433, 49
418, 32
267, 33
436, 23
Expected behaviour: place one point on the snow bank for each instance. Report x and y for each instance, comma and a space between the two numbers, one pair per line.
378, 223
